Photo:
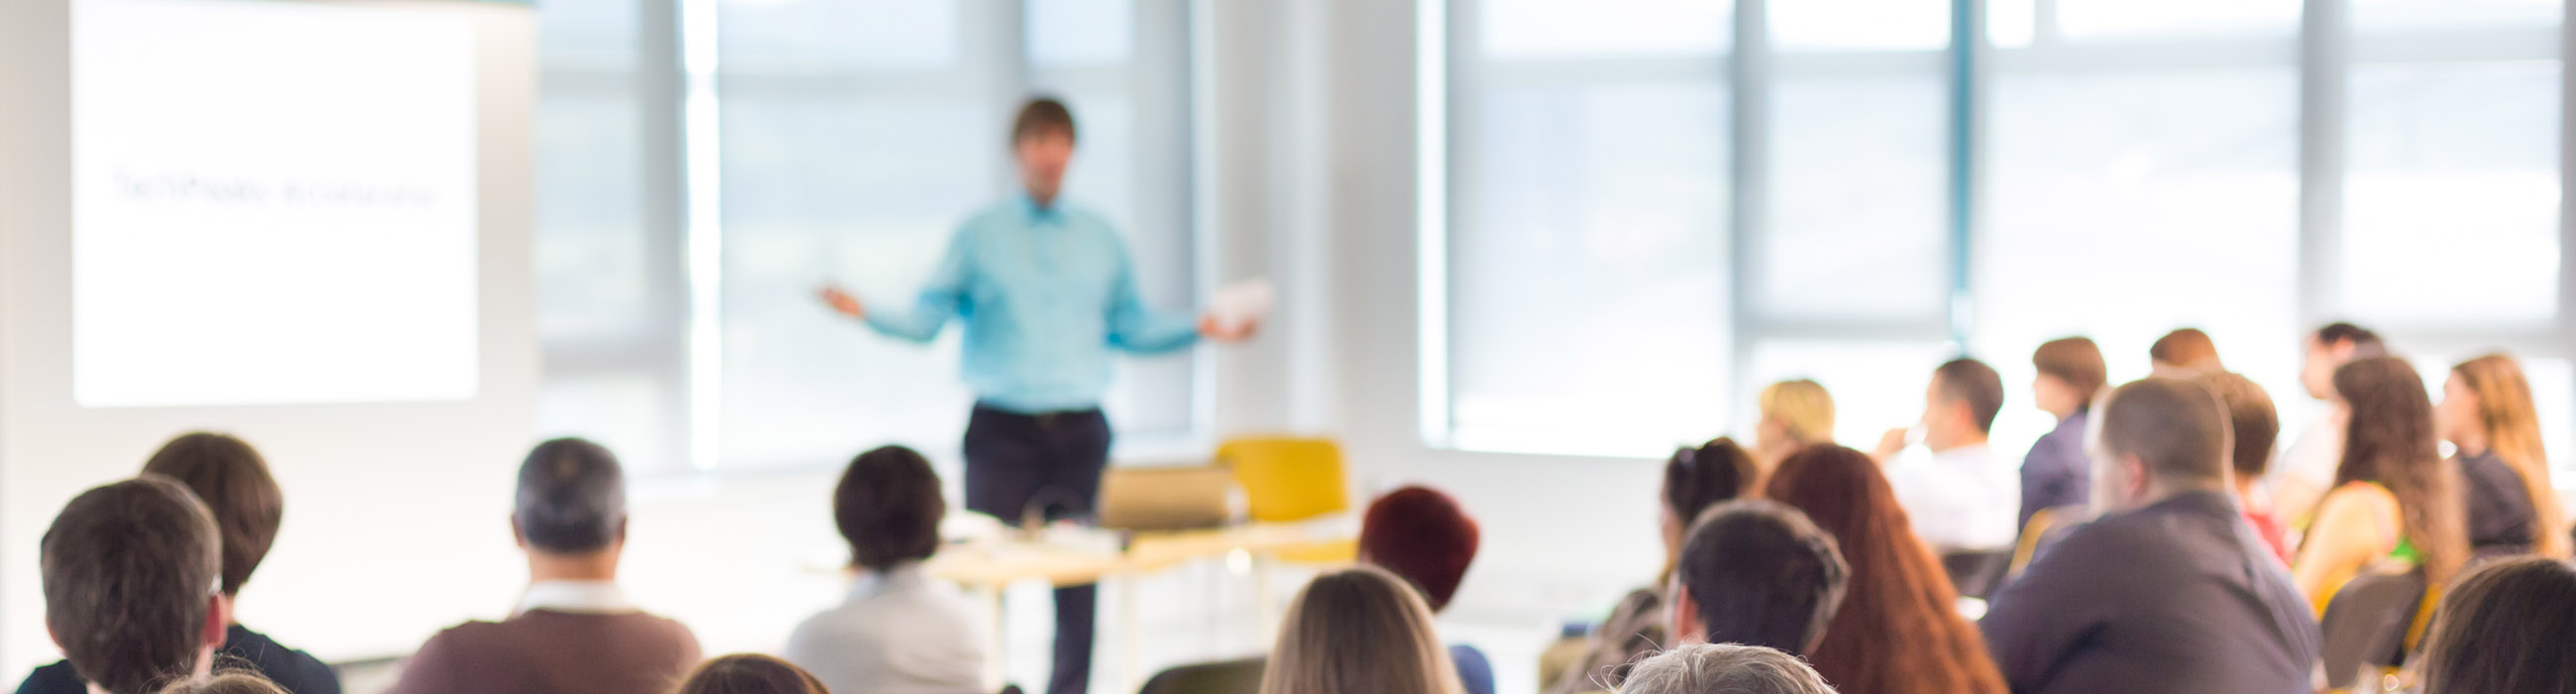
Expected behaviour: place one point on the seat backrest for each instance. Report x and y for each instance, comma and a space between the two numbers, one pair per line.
2365, 624
1976, 573
1224, 677
1288, 479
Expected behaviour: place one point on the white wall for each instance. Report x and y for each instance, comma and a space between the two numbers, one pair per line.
397, 514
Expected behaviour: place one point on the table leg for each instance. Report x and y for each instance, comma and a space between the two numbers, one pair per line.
1128, 635
995, 663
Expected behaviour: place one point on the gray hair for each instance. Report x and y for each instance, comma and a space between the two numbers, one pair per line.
1724, 668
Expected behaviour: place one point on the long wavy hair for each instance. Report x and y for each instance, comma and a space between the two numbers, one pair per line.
1899, 630
2389, 440
2513, 432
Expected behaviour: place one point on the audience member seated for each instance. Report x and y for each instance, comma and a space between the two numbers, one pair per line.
226, 683
2254, 427
2055, 472
1724, 668
1757, 573
2394, 499
1963, 497
2168, 591
2503, 628
900, 631
1359, 629
2185, 353
1795, 414
2306, 469
2486, 413
1421, 535
233, 481
1899, 629
1694, 480
752, 673
575, 631
129, 576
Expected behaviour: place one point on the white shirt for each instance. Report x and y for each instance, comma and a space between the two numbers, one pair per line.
900, 632
1964, 498
576, 597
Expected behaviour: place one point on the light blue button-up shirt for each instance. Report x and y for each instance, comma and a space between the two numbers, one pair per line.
1046, 293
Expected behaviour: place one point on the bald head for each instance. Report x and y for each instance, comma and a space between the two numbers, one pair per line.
2159, 435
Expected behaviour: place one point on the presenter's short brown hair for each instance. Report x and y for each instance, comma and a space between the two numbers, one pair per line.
1039, 116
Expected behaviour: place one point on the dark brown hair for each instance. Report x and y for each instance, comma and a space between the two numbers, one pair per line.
888, 506
2503, 628
750, 673
2177, 427
1899, 629
2188, 348
1697, 478
2075, 360
1040, 115
2364, 342
2252, 422
234, 682
2389, 441
1974, 384
572, 497
233, 481
1762, 575
129, 570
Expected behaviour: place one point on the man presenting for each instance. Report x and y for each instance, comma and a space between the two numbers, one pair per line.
1046, 291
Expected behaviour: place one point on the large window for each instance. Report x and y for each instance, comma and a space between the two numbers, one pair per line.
832, 141
1854, 195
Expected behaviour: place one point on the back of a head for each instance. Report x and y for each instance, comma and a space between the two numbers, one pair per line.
129, 569
749, 673
238, 682
888, 506
2389, 441
2177, 428
2365, 343
1975, 385
2187, 348
2253, 424
1422, 536
1899, 621
1723, 668
2503, 628
1762, 575
1802, 405
233, 481
1697, 478
2075, 361
572, 497
1359, 629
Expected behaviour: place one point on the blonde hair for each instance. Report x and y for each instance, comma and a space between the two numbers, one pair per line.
1803, 407
2513, 432
1359, 629
234, 682
1708, 667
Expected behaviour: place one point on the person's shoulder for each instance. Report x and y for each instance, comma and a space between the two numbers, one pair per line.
58, 678
299, 672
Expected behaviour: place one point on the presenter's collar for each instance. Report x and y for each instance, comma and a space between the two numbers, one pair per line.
1047, 214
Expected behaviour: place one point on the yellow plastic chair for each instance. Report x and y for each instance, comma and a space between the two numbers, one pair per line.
1288, 479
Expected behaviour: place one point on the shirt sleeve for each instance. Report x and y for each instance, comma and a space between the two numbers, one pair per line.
943, 298
2034, 622
1139, 329
427, 671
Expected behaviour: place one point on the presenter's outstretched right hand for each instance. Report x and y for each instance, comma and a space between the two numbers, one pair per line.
844, 303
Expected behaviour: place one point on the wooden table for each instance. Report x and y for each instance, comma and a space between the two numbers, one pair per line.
986, 567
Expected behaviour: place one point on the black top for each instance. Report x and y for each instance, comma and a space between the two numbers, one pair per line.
2501, 520
2179, 596
297, 671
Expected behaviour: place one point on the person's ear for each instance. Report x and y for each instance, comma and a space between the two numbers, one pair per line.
516, 534
1684, 620
218, 617
2133, 482
621, 532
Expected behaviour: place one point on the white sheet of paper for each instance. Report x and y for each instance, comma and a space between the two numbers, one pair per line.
1242, 302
